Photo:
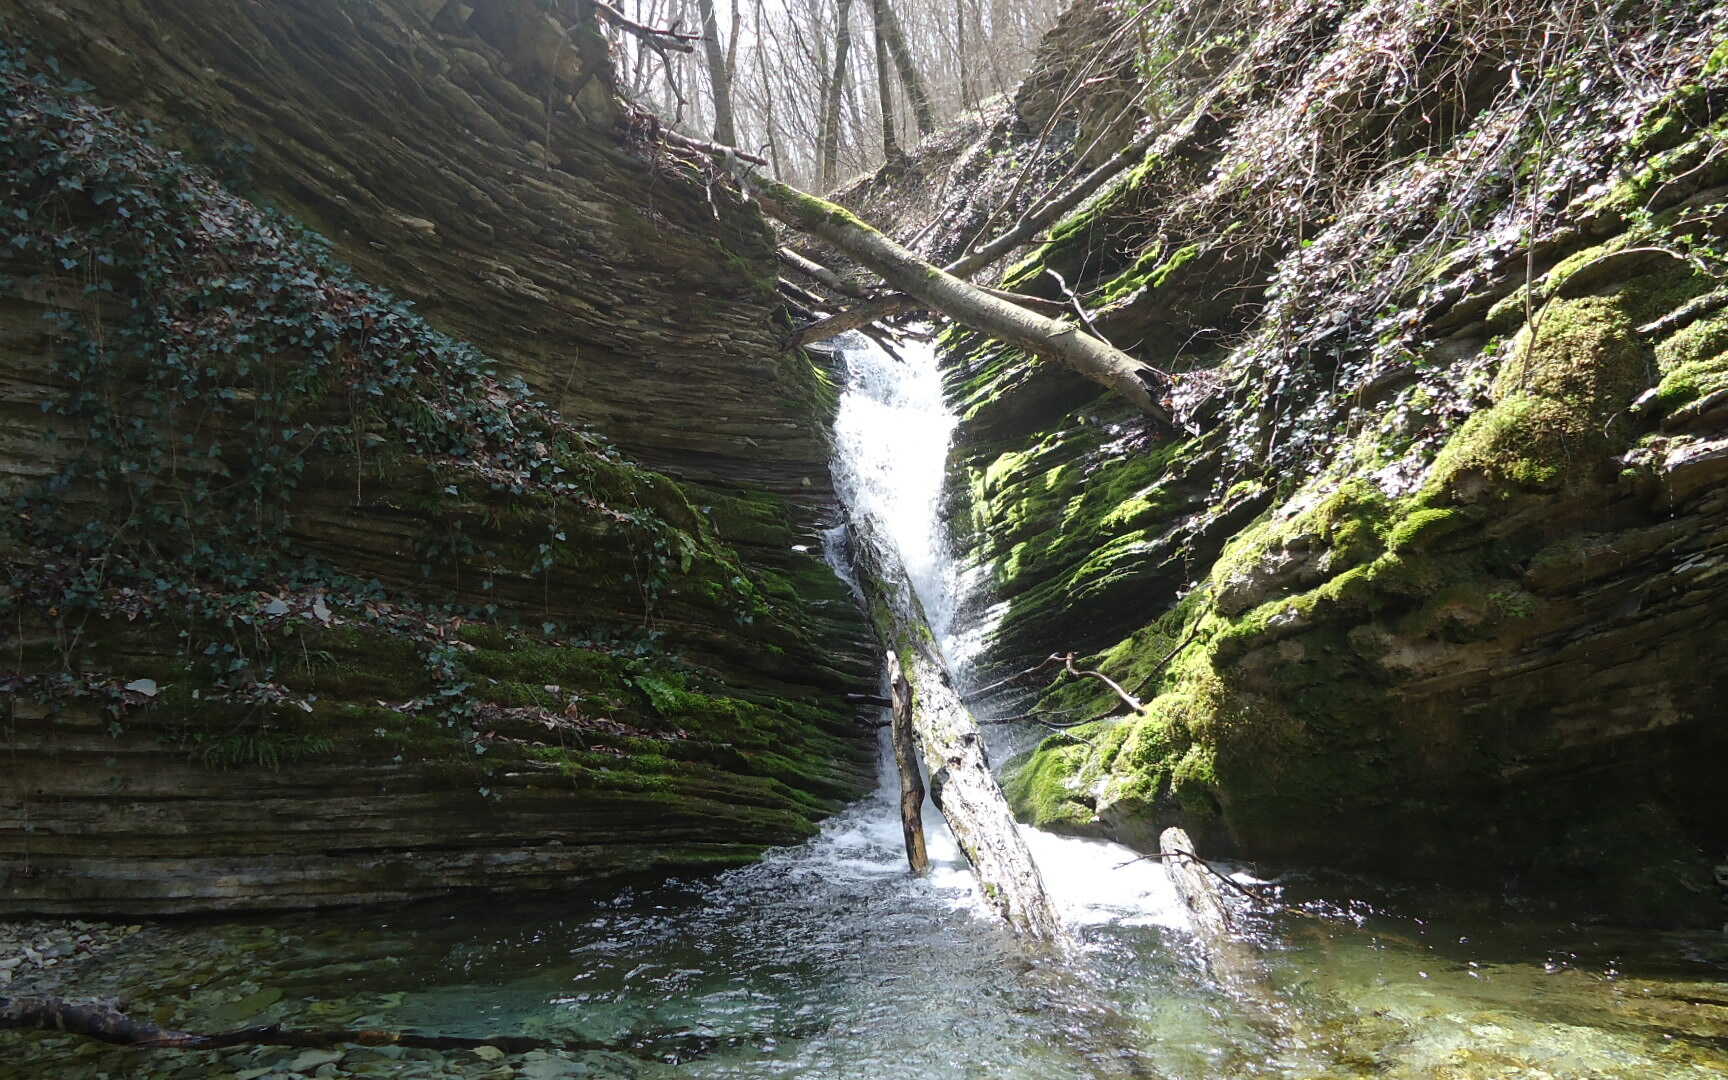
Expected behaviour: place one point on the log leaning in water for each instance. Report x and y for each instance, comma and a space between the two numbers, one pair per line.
906, 757
961, 784
1230, 959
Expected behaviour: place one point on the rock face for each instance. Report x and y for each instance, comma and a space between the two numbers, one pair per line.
1435, 586
316, 597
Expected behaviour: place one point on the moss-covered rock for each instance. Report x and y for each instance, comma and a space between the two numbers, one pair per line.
1405, 604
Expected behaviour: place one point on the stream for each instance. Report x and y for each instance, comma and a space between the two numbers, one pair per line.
827, 960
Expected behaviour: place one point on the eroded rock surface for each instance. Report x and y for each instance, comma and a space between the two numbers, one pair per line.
1434, 585
314, 597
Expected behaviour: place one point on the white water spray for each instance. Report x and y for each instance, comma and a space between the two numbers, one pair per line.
891, 439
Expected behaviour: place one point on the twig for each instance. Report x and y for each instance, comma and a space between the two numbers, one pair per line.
710, 148
1000, 683
658, 39
1193, 628
883, 342
1128, 699
1209, 868
1079, 308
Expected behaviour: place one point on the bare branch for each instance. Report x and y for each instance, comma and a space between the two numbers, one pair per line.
658, 39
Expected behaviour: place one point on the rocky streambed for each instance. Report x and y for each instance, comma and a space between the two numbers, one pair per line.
301, 972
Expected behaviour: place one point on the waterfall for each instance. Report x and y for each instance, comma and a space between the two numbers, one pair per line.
892, 434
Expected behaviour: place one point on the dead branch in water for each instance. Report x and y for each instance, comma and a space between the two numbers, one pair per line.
105, 1021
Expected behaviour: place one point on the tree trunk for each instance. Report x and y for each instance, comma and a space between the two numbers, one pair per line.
961, 784
830, 136
967, 98
906, 758
1062, 342
719, 76
888, 27
767, 100
884, 86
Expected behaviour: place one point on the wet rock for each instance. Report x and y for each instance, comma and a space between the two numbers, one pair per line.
311, 1060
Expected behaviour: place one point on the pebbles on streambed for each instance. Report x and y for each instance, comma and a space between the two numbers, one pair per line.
212, 978
31, 948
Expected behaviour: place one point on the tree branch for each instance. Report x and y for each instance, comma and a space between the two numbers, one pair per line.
1051, 208
853, 318
1128, 699
714, 150
817, 272
659, 39
104, 1021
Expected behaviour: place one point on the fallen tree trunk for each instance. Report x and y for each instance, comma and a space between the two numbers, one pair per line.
1062, 342
105, 1021
961, 783
906, 758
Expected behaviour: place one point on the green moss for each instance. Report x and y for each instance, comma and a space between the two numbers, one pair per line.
1422, 528
1165, 761
1079, 522
1559, 396
1717, 62
1693, 362
359, 663
1042, 786
1151, 270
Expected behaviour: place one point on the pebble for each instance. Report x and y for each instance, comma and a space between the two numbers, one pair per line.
33, 946
312, 1059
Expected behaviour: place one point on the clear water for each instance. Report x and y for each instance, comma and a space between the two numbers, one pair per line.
828, 960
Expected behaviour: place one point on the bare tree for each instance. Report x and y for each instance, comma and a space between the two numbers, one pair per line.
888, 30
789, 78
719, 73
884, 84
832, 89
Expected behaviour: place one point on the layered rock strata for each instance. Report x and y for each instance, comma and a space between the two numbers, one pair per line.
324, 585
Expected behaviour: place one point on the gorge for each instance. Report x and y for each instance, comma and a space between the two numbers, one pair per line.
416, 498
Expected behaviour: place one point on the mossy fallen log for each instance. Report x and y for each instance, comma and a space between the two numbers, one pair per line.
981, 309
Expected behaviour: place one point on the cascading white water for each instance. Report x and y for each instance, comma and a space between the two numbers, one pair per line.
891, 438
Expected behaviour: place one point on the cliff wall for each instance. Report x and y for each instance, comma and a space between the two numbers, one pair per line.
411, 493
1431, 583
